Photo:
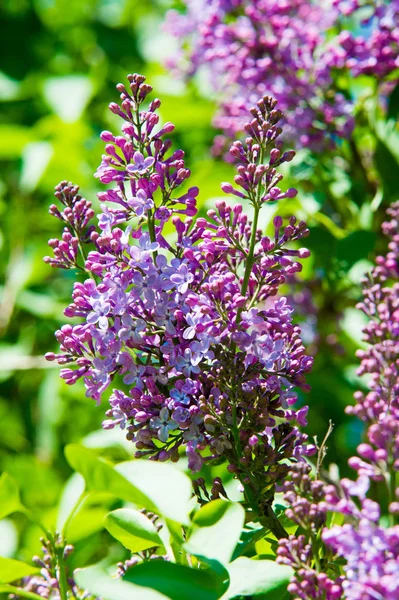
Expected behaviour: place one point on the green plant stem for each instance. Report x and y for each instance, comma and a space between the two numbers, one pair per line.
250, 258
270, 520
358, 166
12, 589
61, 574
151, 229
315, 551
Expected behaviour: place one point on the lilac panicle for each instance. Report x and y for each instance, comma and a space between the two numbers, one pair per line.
76, 215
374, 50
366, 538
200, 348
291, 50
371, 549
307, 508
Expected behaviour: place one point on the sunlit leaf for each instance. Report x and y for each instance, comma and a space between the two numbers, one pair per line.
96, 581
9, 496
102, 477
178, 582
68, 95
11, 570
257, 577
168, 488
133, 529
35, 158
217, 530
8, 538
13, 139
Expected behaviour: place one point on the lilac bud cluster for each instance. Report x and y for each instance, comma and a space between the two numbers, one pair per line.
291, 50
367, 540
76, 215
257, 47
202, 351
370, 549
375, 51
52, 571
315, 576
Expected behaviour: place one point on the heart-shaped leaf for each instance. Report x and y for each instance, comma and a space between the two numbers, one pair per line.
133, 529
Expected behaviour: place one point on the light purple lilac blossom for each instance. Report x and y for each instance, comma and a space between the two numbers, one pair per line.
291, 50
365, 534
371, 549
200, 349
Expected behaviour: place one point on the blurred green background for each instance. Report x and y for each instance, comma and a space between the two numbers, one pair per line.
60, 61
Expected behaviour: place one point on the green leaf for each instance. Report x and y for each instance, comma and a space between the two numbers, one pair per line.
102, 477
249, 537
9, 496
71, 493
86, 522
168, 489
178, 582
217, 530
133, 529
11, 570
255, 577
96, 581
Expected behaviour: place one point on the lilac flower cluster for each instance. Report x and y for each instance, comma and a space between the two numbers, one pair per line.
315, 577
375, 51
370, 549
290, 50
47, 583
366, 540
205, 352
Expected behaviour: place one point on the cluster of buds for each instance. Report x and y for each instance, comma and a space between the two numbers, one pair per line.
315, 576
53, 575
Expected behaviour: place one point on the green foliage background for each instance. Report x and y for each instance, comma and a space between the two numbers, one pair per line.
60, 62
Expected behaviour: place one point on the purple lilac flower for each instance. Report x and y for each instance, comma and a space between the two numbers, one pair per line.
371, 550
366, 539
77, 215
196, 330
374, 49
255, 47
307, 508
291, 50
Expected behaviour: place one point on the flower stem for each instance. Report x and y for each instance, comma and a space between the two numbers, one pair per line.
61, 574
250, 258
